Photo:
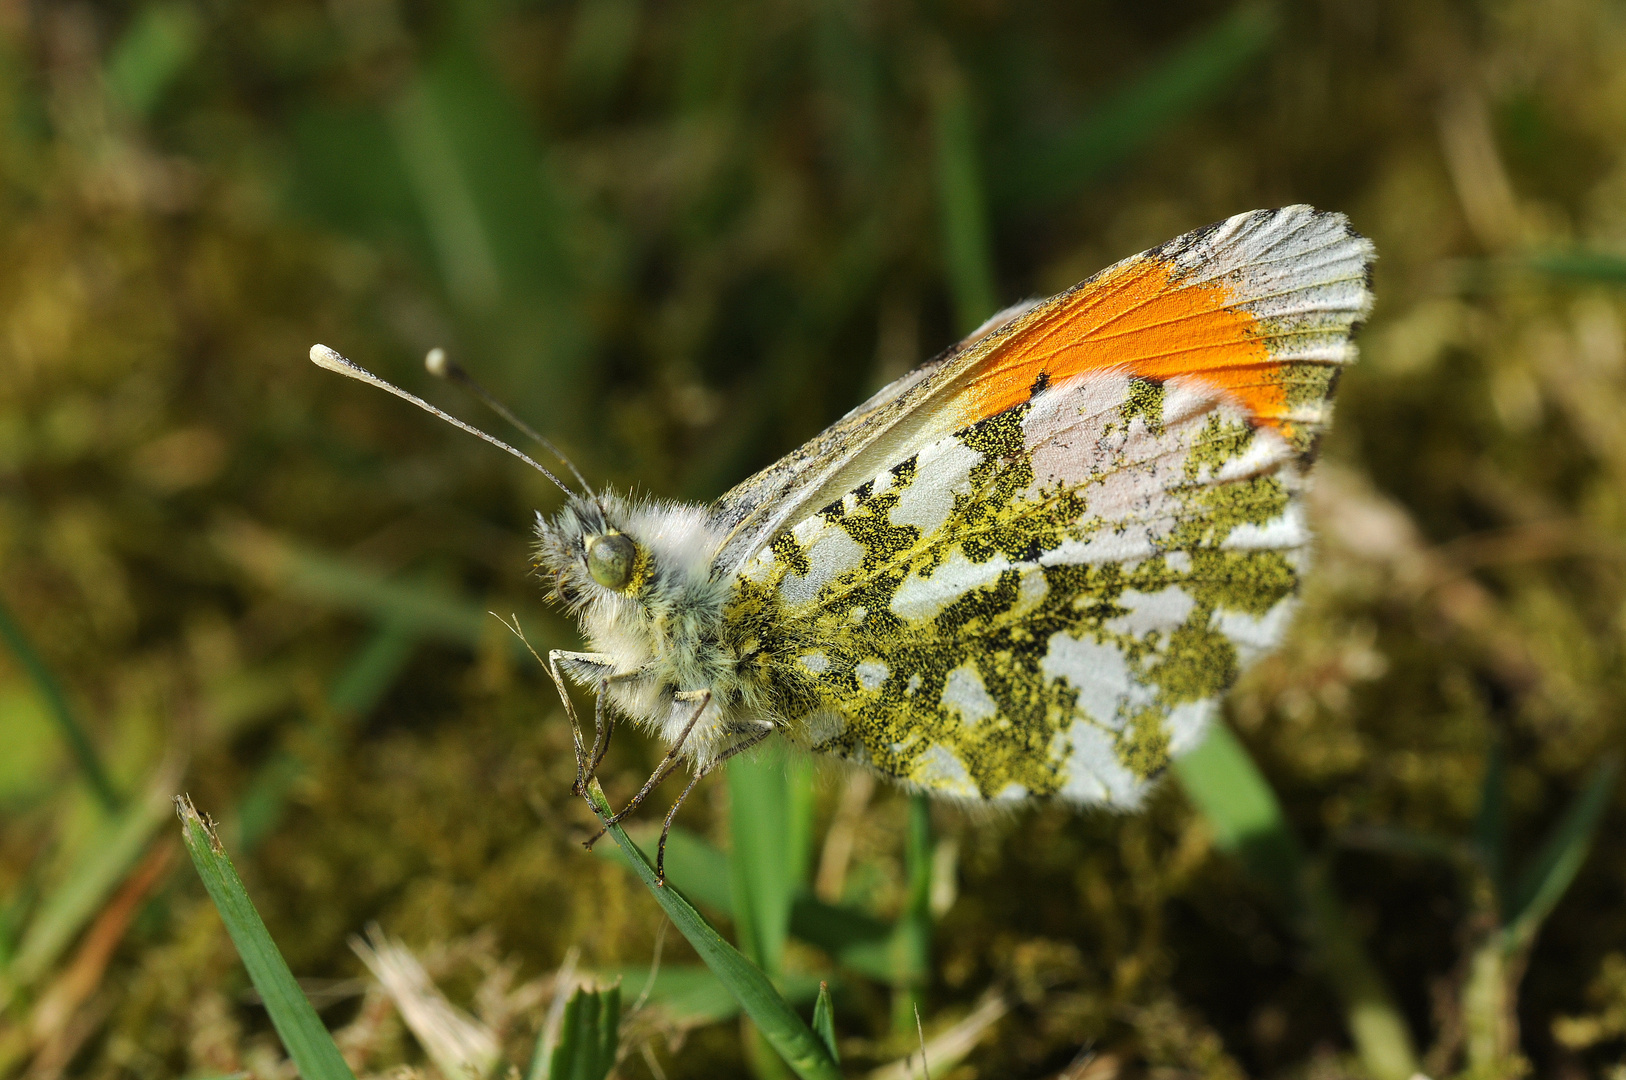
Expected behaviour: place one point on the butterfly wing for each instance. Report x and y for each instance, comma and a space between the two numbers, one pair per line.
1050, 597
1263, 303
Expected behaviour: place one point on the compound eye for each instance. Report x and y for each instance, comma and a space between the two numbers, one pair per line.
609, 560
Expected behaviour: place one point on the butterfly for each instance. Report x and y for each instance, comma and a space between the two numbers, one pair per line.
1029, 568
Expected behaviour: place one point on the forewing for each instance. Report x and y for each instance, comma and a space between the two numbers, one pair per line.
1261, 305
1051, 599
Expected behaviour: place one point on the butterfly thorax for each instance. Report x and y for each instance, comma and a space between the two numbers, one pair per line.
637, 575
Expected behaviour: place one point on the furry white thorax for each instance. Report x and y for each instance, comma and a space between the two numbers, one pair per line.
656, 646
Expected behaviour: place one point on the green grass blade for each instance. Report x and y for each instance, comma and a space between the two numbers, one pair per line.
1490, 822
1234, 797
836, 928
690, 995
264, 798
912, 941
162, 39
405, 605
824, 1022
698, 868
588, 1037
790, 1037
799, 810
73, 733
306, 1040
962, 207
1228, 789
609, 1031
373, 670
1550, 872
356, 691
1143, 107
766, 865
95, 872
763, 865
857, 940
1376, 1025
1582, 266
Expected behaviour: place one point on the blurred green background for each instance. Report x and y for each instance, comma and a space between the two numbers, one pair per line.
681, 237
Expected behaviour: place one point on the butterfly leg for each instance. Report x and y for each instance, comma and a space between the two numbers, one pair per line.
668, 763
603, 727
584, 772
700, 774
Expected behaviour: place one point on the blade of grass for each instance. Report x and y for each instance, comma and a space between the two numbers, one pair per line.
1554, 867
1376, 1025
162, 39
1582, 265
588, 1037
356, 691
94, 873
375, 667
505, 227
691, 995
698, 868
1490, 823
912, 939
763, 863
858, 940
1234, 797
770, 831
962, 208
306, 1040
73, 733
406, 606
824, 1022
773, 1015
1143, 107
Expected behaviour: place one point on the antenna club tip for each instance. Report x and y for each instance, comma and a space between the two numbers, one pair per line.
435, 360
324, 357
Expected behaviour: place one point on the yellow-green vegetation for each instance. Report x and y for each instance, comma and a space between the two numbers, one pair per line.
681, 238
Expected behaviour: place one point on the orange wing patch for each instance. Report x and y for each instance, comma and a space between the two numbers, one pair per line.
1138, 318
1260, 307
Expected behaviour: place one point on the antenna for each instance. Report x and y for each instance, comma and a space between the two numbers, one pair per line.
328, 359
444, 367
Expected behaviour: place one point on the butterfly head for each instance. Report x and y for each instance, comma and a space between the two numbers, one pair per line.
589, 552
606, 551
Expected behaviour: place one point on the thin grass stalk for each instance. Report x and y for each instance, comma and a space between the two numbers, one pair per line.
779, 1023
912, 938
73, 732
1226, 786
962, 208
308, 1043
